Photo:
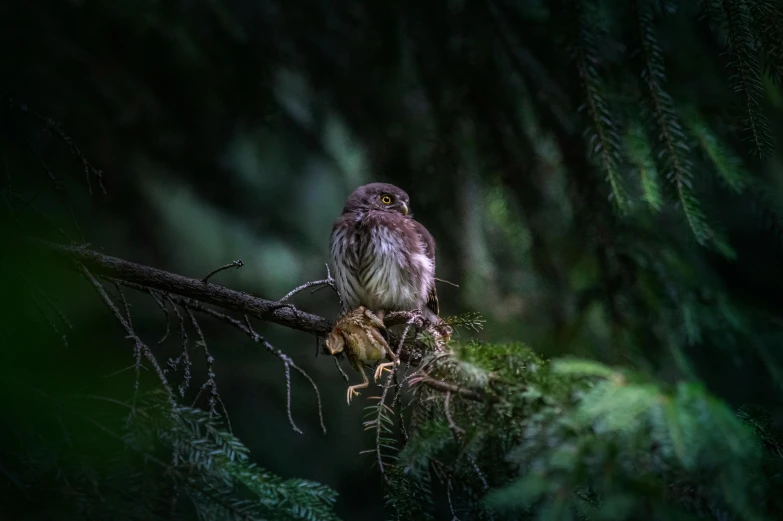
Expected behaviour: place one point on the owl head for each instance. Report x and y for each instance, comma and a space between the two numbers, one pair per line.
378, 196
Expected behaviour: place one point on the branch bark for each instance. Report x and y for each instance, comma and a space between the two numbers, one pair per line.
102, 265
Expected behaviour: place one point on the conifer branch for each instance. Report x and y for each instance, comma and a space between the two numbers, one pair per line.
747, 76
767, 22
640, 156
603, 136
677, 166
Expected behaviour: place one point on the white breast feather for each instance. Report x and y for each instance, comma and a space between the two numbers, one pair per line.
387, 284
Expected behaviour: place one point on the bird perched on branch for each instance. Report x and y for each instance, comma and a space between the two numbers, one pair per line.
383, 260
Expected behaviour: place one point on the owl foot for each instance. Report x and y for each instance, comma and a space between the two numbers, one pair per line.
383, 367
352, 391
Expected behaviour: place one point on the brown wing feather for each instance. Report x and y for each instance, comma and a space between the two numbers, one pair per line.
429, 251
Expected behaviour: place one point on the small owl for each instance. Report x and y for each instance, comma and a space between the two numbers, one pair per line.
383, 259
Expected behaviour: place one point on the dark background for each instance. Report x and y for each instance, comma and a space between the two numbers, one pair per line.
236, 129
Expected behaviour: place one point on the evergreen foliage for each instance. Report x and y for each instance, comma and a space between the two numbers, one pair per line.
150, 462
576, 439
626, 150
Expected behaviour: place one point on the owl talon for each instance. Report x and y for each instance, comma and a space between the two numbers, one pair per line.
352, 389
383, 367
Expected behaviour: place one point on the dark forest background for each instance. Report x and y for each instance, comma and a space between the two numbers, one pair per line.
603, 179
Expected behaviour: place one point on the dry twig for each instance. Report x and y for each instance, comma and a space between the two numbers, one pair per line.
138, 344
235, 264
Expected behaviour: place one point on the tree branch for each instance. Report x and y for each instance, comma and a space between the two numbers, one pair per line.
102, 265
446, 387
194, 293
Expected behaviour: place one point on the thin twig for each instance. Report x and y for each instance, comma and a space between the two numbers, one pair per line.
162, 305
54, 307
54, 127
184, 357
304, 286
236, 264
386, 386
211, 382
76, 223
451, 505
55, 183
245, 328
27, 203
447, 410
478, 472
328, 281
339, 368
440, 385
397, 403
120, 371
124, 303
288, 398
138, 344
447, 282
51, 323
288, 363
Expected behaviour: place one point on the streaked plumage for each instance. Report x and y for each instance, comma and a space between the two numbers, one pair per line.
383, 259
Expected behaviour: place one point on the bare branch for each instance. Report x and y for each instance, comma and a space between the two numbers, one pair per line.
288, 398
413, 317
446, 387
162, 306
45, 317
53, 127
138, 344
184, 357
27, 203
51, 303
328, 281
153, 278
146, 278
451, 505
339, 368
447, 282
211, 382
235, 264
194, 294
304, 286
55, 183
447, 409
124, 304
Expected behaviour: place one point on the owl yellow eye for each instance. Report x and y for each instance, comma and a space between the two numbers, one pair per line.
386, 199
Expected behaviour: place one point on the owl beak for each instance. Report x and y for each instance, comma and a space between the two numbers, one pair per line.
404, 208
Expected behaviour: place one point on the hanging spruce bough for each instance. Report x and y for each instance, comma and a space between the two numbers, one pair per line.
603, 138
607, 41
746, 28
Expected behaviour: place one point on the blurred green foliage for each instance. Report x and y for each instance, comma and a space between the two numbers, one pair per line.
601, 176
